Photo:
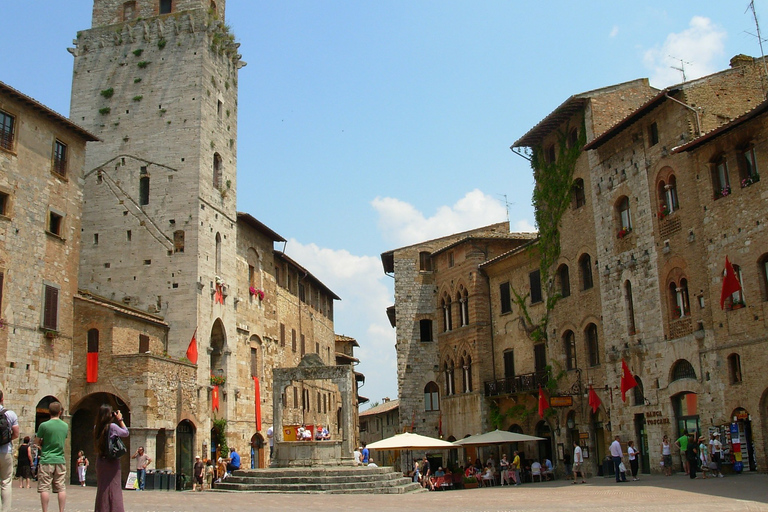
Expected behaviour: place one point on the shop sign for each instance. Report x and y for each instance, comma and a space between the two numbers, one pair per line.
583, 435
561, 401
656, 418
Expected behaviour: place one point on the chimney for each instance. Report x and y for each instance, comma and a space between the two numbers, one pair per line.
741, 60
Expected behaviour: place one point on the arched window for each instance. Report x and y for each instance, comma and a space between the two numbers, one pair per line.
564, 280
734, 368
630, 307
678, 295
624, 216
721, 183
638, 392
462, 297
217, 171
682, 369
447, 316
593, 348
585, 269
448, 370
144, 187
431, 397
577, 191
218, 254
573, 137
569, 346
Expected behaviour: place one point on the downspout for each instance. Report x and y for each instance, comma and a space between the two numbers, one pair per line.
696, 112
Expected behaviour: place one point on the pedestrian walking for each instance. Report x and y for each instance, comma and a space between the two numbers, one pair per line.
82, 467
24, 463
52, 469
616, 455
633, 462
666, 455
578, 463
109, 492
9, 430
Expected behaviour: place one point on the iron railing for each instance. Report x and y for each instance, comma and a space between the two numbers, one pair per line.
517, 384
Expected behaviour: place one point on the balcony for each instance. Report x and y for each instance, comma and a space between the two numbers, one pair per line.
517, 384
680, 327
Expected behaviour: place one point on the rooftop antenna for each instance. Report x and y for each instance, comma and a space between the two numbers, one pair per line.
506, 205
681, 69
751, 7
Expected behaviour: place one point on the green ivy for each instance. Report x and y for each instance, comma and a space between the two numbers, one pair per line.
220, 431
143, 64
161, 43
104, 111
108, 93
138, 98
138, 52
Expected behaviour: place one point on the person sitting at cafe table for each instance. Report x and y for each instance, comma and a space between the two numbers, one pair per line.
547, 470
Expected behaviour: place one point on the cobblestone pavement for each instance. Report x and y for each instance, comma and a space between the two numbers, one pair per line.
651, 493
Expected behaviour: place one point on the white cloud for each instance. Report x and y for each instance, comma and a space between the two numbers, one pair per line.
402, 224
365, 293
698, 46
523, 226
614, 31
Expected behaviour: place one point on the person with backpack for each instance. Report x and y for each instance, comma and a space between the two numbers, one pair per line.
9, 430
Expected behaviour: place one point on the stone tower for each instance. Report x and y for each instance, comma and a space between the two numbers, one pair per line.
156, 81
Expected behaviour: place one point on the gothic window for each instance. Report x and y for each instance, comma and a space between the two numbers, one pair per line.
564, 280
431, 397
463, 300
551, 154
720, 181
218, 254
734, 368
534, 279
504, 298
593, 347
639, 395
629, 304
569, 346
7, 125
60, 158
573, 137
585, 268
577, 190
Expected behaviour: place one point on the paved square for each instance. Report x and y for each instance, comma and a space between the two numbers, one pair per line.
651, 493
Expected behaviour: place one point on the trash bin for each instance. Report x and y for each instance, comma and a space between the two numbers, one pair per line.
171, 482
149, 480
608, 468
161, 480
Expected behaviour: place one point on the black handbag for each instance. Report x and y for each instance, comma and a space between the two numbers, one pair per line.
115, 447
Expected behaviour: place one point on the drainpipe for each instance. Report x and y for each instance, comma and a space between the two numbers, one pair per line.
696, 112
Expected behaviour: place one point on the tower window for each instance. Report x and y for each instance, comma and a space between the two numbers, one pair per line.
60, 158
7, 122
216, 171
144, 190
166, 6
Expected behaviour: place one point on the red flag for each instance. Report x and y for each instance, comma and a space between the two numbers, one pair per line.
92, 367
257, 402
192, 349
218, 295
627, 380
543, 404
594, 400
215, 398
731, 283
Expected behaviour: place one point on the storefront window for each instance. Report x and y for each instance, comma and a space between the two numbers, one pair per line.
687, 412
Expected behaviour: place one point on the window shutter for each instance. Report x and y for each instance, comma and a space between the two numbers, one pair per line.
51, 308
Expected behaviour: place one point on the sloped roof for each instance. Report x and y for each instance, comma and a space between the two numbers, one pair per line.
723, 129
308, 274
501, 236
259, 226
342, 338
87, 296
381, 408
47, 112
516, 250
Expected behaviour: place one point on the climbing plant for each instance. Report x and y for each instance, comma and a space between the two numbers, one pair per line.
521, 412
220, 429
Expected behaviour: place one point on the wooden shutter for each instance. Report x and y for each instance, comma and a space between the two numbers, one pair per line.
51, 308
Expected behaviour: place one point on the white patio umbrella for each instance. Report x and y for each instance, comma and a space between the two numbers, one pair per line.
409, 441
496, 437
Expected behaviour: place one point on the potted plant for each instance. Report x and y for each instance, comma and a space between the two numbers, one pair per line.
737, 304
218, 380
623, 232
677, 312
725, 191
258, 292
750, 180
470, 482
663, 211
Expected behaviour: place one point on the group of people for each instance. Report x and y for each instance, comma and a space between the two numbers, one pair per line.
617, 456
699, 454
304, 433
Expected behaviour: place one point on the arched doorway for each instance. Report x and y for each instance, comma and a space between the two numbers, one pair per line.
185, 438
257, 451
598, 427
41, 410
81, 435
544, 447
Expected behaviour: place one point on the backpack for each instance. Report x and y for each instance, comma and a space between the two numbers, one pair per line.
6, 431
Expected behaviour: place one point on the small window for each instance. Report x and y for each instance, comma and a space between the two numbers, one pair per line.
93, 341
535, 281
653, 134
577, 190
573, 138
166, 6
144, 190
302, 293
734, 368
551, 154
569, 346
60, 158
505, 298
129, 11
451, 260
425, 329
217, 171
219, 108
178, 241
254, 362
425, 261
431, 397
585, 268
2, 276
303, 345
143, 343
593, 348
293, 340
625, 216
5, 203
55, 223
7, 130
720, 180
564, 281
630, 307
51, 308
282, 335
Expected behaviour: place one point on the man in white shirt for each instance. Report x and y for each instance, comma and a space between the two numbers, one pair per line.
616, 455
271, 437
6, 457
578, 461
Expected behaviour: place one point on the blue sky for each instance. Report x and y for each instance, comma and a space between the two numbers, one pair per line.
367, 126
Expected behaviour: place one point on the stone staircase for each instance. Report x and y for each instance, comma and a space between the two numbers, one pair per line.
328, 480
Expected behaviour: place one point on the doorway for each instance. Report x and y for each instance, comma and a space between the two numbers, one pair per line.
641, 434
185, 435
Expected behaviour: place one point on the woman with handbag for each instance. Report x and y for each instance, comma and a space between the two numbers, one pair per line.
109, 448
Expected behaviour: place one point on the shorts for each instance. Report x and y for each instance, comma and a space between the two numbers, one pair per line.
577, 468
667, 460
51, 477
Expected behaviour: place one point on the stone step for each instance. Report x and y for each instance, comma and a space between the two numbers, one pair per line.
310, 478
310, 486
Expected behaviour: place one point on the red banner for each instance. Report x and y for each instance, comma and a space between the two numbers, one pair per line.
257, 402
92, 367
215, 398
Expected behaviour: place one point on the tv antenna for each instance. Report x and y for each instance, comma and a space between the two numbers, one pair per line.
506, 205
681, 69
751, 7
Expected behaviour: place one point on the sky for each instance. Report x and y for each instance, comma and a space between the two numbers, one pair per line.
368, 126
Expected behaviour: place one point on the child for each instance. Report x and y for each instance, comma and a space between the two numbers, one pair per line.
82, 467
209, 474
